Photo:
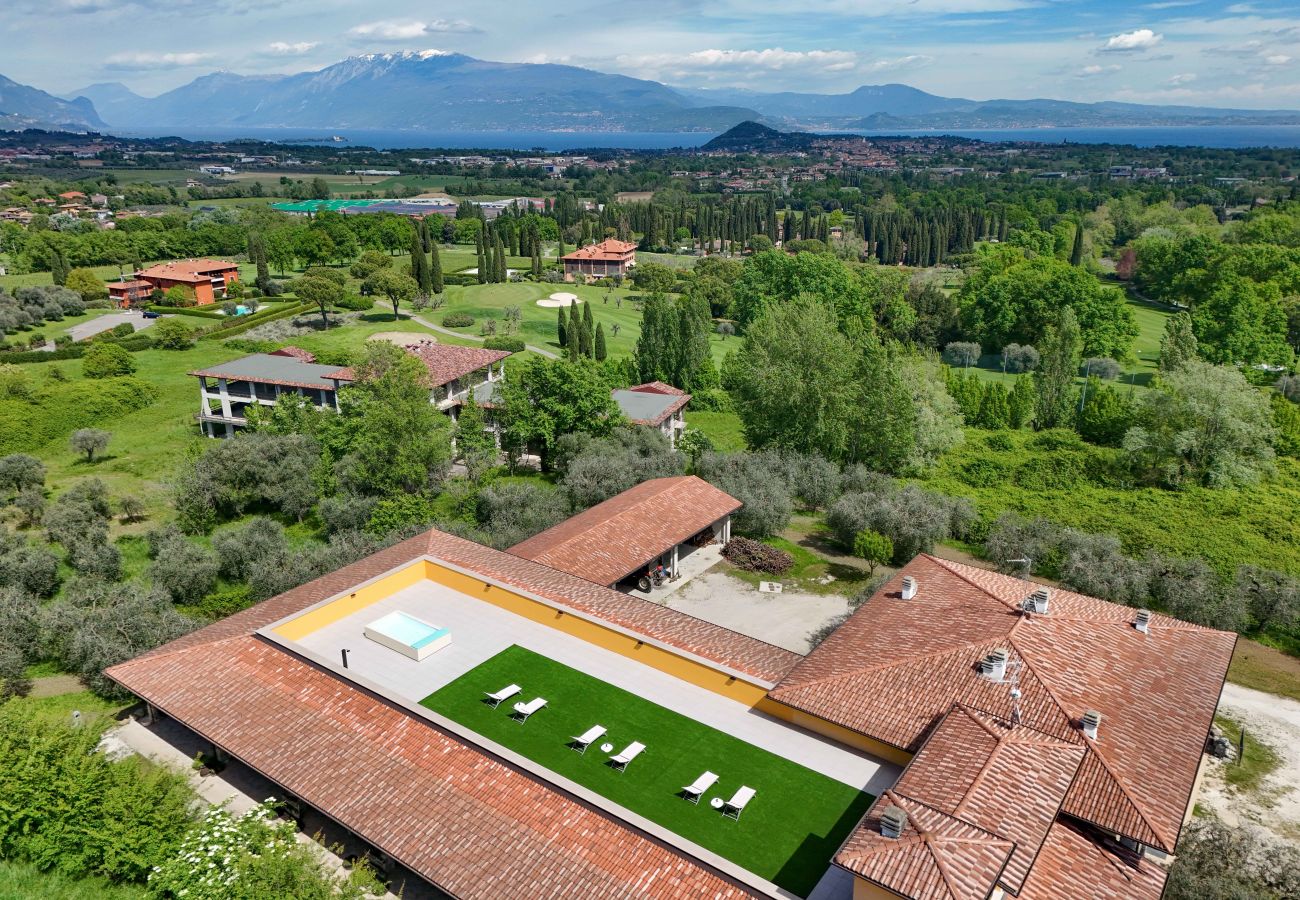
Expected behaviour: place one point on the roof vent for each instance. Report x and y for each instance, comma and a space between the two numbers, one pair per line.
1036, 602
892, 822
909, 587
994, 666
1143, 621
1090, 722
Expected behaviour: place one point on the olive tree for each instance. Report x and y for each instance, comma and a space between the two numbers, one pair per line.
89, 441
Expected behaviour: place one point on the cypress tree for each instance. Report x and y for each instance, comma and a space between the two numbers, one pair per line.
575, 328
501, 261
561, 328
482, 258
585, 347
1076, 254
537, 256
420, 263
601, 353
587, 320
435, 269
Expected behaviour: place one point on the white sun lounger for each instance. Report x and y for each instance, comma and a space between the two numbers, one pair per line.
629, 753
736, 804
699, 786
524, 710
504, 694
585, 740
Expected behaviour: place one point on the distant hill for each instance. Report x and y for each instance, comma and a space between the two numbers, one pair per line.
426, 91
22, 107
757, 137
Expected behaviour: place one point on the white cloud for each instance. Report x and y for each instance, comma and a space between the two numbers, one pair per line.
1184, 78
911, 61
283, 48
143, 61
1277, 59
1094, 70
774, 58
1132, 41
399, 30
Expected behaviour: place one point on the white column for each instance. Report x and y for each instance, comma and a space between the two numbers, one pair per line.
223, 389
674, 565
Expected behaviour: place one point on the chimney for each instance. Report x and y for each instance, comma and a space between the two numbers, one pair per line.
1143, 621
909, 587
995, 665
892, 822
1091, 721
1037, 602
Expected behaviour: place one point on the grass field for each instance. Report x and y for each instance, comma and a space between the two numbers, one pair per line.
1255, 765
20, 881
787, 833
722, 428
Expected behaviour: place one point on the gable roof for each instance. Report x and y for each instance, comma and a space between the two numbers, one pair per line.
629, 530
644, 406
608, 249
895, 668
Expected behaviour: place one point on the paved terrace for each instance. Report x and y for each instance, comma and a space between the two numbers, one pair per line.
480, 631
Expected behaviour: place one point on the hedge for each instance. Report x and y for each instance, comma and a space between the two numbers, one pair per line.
187, 311
512, 344
60, 408
457, 320
133, 344
244, 323
459, 279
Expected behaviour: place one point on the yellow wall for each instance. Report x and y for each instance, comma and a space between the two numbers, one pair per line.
296, 629
689, 670
1196, 791
834, 732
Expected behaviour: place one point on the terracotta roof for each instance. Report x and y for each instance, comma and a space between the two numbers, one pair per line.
609, 249
1082, 865
657, 387
297, 353
468, 822
128, 285
896, 667
445, 362
937, 856
459, 817
628, 531
191, 270
1007, 780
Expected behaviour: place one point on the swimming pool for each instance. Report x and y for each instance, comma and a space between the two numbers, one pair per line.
408, 635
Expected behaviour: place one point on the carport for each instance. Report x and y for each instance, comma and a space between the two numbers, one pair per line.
660, 521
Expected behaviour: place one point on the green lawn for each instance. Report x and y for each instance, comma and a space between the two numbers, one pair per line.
722, 428
788, 832
1260, 759
20, 880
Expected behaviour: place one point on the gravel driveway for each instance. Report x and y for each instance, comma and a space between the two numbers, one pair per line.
83, 330
784, 619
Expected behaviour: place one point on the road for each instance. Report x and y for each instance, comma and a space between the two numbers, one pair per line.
438, 328
83, 330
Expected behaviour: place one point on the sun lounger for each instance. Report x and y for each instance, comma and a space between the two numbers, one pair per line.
699, 786
736, 805
629, 753
524, 710
585, 740
504, 694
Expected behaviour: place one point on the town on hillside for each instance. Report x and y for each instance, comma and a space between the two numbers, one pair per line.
794, 516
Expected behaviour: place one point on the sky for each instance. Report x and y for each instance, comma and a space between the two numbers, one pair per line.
1198, 52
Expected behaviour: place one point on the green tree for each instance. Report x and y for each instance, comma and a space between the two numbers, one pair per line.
421, 274
694, 443
172, 334
1021, 402
1178, 343
104, 359
995, 407
320, 291
1105, 416
600, 350
394, 285
87, 284
1054, 379
561, 327
550, 398
257, 255
89, 441
1203, 425
436, 283
873, 548
476, 448
1076, 253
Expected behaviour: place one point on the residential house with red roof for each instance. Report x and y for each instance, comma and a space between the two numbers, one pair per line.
204, 279
996, 738
604, 260
655, 405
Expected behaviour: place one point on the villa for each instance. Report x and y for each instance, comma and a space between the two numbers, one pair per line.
227, 390
500, 726
604, 260
655, 405
205, 279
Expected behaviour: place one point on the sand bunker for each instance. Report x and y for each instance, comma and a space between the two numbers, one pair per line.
560, 299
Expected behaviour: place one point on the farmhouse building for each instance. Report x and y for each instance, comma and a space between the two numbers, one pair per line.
1050, 743
205, 278
655, 405
604, 260
227, 390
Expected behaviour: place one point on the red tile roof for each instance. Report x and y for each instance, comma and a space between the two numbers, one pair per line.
628, 531
297, 353
658, 387
609, 249
896, 667
1006, 780
445, 362
189, 270
463, 819
1077, 863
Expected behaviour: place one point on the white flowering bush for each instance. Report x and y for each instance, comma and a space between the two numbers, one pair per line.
254, 856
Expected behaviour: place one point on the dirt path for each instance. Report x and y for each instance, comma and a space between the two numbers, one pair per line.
1275, 721
473, 337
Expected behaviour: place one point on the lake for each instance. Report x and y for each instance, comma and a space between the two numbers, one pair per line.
1227, 136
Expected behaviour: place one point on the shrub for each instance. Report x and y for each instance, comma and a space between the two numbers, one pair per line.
1102, 367
173, 334
61, 408
755, 556
243, 551
913, 518
89, 441
1018, 358
962, 354
758, 480
501, 342
356, 303
105, 360
184, 569
874, 548
457, 320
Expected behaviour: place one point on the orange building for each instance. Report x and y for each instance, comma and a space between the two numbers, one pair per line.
207, 278
606, 259
129, 294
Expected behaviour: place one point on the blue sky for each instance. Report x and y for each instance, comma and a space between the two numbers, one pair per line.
1163, 51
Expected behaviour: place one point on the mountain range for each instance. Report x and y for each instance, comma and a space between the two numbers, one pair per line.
435, 90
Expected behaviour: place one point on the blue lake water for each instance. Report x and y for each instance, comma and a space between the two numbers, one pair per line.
1229, 136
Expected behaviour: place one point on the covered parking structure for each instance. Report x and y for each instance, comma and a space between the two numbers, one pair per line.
662, 520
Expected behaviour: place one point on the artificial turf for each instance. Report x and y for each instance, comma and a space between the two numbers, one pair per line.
787, 833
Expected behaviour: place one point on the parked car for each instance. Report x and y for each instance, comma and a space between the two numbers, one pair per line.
151, 314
